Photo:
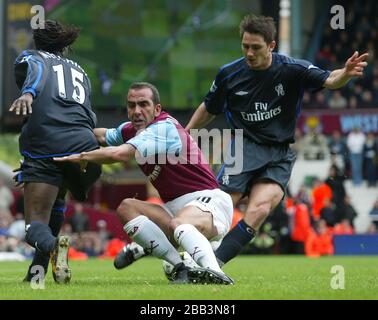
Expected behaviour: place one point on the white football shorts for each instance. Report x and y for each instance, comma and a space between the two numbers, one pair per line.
216, 201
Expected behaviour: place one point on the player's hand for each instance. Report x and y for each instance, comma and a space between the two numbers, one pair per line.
18, 176
23, 103
75, 158
355, 65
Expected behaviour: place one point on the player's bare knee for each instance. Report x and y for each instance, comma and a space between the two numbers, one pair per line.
125, 210
175, 222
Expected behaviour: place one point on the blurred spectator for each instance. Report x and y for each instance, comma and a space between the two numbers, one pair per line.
298, 144
353, 102
79, 221
17, 227
6, 197
103, 233
355, 143
327, 213
280, 224
370, 158
325, 57
300, 223
320, 193
372, 229
336, 183
349, 213
5, 220
87, 245
320, 99
337, 101
339, 149
343, 227
319, 241
303, 195
374, 214
367, 99
315, 146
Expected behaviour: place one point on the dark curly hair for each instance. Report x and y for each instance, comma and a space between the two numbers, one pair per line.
55, 37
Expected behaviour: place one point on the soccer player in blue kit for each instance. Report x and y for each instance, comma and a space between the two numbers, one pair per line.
261, 94
55, 100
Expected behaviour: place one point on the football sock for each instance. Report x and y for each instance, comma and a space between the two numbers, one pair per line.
196, 244
234, 242
55, 224
40, 237
148, 235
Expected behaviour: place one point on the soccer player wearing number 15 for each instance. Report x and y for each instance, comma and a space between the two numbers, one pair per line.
58, 121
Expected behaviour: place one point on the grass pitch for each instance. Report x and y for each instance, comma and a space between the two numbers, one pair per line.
256, 277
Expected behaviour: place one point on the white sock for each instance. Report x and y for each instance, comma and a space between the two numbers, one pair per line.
148, 235
196, 244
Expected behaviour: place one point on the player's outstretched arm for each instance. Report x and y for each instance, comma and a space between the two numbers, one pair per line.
23, 103
106, 155
200, 118
354, 67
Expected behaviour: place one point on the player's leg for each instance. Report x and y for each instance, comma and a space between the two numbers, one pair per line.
39, 199
134, 214
55, 224
43, 178
193, 227
208, 217
127, 211
263, 198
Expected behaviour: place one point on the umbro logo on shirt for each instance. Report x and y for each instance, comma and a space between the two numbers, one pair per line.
241, 93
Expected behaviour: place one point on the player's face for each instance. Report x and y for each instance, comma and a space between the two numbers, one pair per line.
256, 51
141, 109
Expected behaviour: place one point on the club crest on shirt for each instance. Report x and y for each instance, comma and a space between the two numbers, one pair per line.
280, 90
226, 180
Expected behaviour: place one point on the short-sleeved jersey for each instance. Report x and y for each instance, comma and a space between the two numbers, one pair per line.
62, 119
266, 103
173, 162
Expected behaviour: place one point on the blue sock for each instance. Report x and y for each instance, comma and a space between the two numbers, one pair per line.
234, 241
55, 224
39, 236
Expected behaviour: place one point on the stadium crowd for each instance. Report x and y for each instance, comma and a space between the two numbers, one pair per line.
361, 35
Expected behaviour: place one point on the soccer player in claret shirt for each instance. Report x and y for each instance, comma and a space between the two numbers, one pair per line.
261, 94
58, 120
195, 211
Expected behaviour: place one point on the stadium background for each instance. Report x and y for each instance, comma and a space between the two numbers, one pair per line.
179, 46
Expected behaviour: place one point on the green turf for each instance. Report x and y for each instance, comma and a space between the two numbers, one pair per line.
256, 277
